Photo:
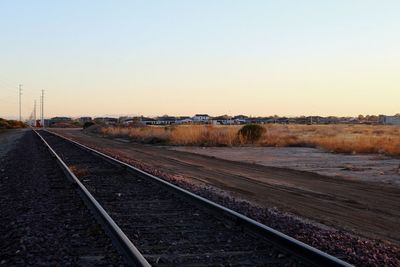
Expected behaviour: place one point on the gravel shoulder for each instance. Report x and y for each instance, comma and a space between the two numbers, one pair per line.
8, 139
365, 208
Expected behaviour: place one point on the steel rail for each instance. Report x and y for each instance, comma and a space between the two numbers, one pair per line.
297, 247
130, 253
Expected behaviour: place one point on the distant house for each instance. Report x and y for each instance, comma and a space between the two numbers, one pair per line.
83, 120
269, 120
240, 119
165, 120
389, 119
106, 120
122, 119
184, 120
258, 120
57, 120
129, 120
148, 121
201, 118
224, 119
282, 120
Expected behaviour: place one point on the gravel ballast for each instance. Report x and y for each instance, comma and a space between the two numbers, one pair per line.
43, 220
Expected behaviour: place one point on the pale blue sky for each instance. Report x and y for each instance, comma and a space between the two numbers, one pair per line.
337, 57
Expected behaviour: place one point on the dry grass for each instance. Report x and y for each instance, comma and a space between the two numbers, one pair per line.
382, 139
78, 171
11, 124
337, 138
204, 135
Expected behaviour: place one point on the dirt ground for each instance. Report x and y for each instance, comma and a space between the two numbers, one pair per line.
368, 209
363, 167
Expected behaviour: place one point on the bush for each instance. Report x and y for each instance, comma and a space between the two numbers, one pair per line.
252, 132
11, 124
88, 124
4, 124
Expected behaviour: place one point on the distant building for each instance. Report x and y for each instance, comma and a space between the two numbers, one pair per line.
389, 119
122, 119
83, 120
165, 120
184, 120
47, 122
225, 120
148, 121
129, 121
240, 119
201, 118
56, 120
282, 120
106, 120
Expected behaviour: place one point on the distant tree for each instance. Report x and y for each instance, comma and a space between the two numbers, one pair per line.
372, 118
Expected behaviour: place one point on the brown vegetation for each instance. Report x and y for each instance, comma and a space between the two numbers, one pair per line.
79, 172
11, 124
383, 139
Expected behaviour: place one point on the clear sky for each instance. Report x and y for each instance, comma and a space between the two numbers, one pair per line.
183, 57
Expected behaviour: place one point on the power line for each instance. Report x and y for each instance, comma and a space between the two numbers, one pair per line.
7, 101
7, 84
7, 89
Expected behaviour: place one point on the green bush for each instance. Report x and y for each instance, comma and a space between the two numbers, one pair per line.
251, 132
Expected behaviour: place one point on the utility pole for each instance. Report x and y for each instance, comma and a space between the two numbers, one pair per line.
20, 94
34, 115
42, 108
40, 113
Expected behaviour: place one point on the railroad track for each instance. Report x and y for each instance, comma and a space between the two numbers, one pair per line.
43, 220
153, 222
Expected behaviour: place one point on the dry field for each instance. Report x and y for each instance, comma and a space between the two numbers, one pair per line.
382, 139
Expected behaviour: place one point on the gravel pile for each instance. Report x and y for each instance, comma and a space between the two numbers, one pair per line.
43, 220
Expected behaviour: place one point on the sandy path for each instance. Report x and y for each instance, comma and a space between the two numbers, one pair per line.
366, 208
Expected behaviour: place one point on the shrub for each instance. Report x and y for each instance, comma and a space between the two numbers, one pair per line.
4, 124
11, 124
252, 132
